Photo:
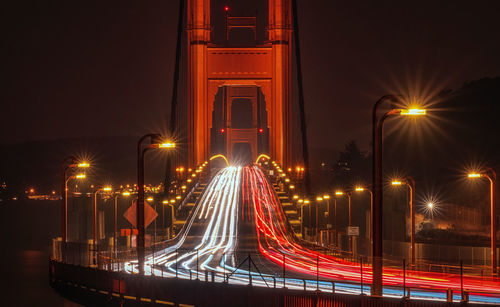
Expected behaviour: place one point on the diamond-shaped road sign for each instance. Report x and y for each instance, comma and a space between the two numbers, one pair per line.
149, 214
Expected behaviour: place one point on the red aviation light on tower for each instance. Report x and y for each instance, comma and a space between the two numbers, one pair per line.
226, 8
261, 130
222, 130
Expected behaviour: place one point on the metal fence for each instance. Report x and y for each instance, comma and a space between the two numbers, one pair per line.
250, 268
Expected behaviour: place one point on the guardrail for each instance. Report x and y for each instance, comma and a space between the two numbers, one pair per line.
248, 268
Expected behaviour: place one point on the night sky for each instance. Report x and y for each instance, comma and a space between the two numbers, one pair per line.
104, 68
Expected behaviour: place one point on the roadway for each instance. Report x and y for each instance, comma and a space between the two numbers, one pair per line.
239, 214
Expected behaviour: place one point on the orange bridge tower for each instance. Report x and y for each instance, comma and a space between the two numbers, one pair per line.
239, 90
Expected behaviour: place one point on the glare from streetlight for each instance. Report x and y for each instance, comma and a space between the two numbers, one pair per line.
126, 193
396, 182
413, 112
107, 189
83, 165
326, 196
319, 198
149, 198
167, 145
80, 176
430, 206
339, 193
474, 175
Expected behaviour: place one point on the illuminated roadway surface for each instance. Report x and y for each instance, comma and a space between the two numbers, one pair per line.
239, 214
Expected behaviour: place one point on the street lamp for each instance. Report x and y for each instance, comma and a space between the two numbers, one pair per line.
319, 199
362, 189
67, 163
492, 177
115, 231
301, 204
337, 194
94, 222
94, 236
377, 135
410, 183
327, 198
155, 142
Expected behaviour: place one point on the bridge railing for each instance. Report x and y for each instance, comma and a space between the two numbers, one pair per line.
250, 268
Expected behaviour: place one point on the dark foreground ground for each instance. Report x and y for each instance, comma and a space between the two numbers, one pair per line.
27, 228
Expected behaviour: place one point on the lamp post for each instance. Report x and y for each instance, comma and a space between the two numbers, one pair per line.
349, 219
492, 177
377, 135
68, 162
94, 224
155, 143
327, 198
337, 194
410, 183
172, 220
302, 203
362, 189
319, 199
115, 210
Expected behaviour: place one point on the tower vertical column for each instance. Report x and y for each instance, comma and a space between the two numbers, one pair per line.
280, 31
198, 35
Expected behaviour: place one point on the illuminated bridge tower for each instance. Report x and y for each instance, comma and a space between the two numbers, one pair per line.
239, 90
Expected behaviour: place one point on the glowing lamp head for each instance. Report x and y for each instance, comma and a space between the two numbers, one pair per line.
81, 176
126, 193
172, 201
339, 193
178, 197
430, 206
413, 112
359, 189
167, 145
84, 165
149, 199
306, 201
292, 187
295, 196
107, 189
319, 198
165, 202
300, 201
326, 196
474, 175
396, 182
